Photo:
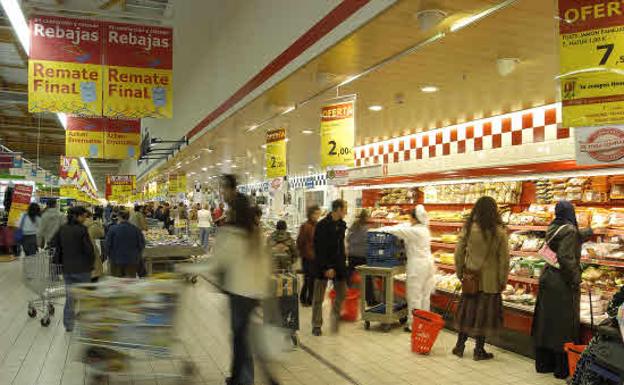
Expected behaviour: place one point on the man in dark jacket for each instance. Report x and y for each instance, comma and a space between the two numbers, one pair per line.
124, 244
329, 263
73, 250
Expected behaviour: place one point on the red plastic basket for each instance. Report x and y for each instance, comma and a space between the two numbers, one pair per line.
425, 329
350, 306
574, 355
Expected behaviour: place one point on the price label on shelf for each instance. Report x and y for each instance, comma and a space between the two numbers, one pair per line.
591, 48
338, 133
276, 153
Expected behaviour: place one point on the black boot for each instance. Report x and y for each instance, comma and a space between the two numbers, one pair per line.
458, 350
479, 353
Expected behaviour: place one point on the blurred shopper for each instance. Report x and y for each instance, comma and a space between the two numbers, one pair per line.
482, 261
73, 250
108, 212
283, 249
29, 224
244, 267
193, 212
51, 221
357, 240
420, 268
124, 244
305, 245
557, 310
138, 218
180, 219
204, 222
329, 263
218, 215
95, 228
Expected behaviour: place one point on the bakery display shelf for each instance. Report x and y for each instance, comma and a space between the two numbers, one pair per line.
527, 228
398, 204
615, 262
383, 221
446, 224
519, 253
515, 278
443, 245
510, 305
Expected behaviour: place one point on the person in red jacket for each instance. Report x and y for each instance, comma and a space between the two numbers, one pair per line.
305, 244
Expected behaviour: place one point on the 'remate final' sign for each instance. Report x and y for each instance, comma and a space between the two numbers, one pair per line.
138, 76
64, 69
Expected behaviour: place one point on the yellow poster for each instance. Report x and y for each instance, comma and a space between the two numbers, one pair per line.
338, 133
72, 88
69, 191
84, 137
131, 92
590, 41
276, 153
182, 184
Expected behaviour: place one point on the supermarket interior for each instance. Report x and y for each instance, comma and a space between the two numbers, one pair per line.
427, 176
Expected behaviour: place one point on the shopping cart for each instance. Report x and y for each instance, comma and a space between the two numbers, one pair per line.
44, 278
282, 307
126, 325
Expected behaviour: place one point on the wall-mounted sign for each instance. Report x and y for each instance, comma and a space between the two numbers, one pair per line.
276, 153
120, 188
600, 145
338, 133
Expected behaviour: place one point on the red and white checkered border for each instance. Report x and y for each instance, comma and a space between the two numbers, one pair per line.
534, 125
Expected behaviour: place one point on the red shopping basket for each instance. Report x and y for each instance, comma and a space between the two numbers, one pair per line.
350, 306
574, 355
425, 329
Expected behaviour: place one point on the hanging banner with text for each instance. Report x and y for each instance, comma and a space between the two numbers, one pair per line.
84, 137
120, 188
122, 139
591, 50
19, 205
68, 170
338, 133
276, 153
64, 66
599, 145
138, 80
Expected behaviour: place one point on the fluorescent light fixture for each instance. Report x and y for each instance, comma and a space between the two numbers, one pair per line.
307, 132
219, 164
466, 21
204, 169
18, 22
234, 166
252, 127
247, 173
289, 109
429, 89
83, 161
311, 167
375, 108
263, 145
228, 161
63, 119
287, 140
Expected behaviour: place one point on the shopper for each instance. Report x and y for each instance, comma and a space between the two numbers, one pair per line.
305, 245
557, 310
481, 258
124, 244
73, 250
95, 228
357, 240
420, 268
329, 263
180, 219
283, 248
218, 215
138, 218
204, 222
51, 221
29, 224
108, 212
244, 267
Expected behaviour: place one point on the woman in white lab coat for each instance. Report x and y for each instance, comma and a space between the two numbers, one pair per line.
420, 268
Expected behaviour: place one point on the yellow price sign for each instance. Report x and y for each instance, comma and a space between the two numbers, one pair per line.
338, 134
276, 153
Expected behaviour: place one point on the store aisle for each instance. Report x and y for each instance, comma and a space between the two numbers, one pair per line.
32, 355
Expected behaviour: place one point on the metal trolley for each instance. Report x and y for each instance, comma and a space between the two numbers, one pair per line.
127, 325
282, 307
44, 278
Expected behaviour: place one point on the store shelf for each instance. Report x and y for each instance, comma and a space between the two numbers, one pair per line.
518, 253
514, 278
443, 245
507, 304
610, 232
446, 224
604, 262
527, 228
383, 221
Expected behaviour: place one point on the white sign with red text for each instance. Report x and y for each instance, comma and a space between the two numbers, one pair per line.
600, 144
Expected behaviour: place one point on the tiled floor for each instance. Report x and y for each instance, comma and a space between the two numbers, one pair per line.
32, 355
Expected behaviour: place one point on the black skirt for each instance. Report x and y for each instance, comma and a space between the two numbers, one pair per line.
479, 314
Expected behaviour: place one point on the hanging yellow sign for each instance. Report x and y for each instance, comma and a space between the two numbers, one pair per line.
276, 153
338, 133
591, 41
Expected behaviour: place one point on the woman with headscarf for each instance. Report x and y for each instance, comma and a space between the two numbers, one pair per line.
557, 311
420, 267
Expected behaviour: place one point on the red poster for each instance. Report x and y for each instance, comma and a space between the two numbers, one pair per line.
19, 204
143, 46
65, 39
583, 15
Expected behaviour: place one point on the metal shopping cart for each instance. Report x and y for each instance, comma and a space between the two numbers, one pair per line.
44, 278
125, 326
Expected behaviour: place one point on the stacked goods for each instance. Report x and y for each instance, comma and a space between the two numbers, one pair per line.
597, 190
448, 216
531, 267
518, 295
444, 258
616, 219
617, 187
612, 248
448, 282
385, 250
397, 196
528, 241
467, 193
544, 191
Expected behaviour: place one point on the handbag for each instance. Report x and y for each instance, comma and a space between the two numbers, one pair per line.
547, 254
18, 235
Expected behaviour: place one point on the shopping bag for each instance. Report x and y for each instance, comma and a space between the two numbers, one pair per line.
547, 254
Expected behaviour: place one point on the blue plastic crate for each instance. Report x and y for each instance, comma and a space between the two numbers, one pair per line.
385, 262
377, 238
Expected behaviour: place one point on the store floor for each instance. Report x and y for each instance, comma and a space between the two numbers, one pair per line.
33, 355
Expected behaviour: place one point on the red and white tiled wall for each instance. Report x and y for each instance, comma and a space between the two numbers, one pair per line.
535, 125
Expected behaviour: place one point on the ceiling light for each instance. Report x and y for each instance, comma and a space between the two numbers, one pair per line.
219, 164
234, 166
429, 89
16, 17
311, 167
429, 18
375, 108
204, 169
287, 140
247, 173
263, 145
252, 127
208, 149
289, 109
307, 132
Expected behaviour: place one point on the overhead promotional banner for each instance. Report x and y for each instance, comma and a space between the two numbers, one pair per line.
138, 81
122, 139
338, 133
177, 184
64, 66
276, 153
68, 170
591, 38
84, 137
19, 205
120, 188
600, 145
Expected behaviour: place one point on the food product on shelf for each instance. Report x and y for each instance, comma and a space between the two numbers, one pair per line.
447, 216
518, 295
449, 238
616, 219
617, 187
468, 193
600, 218
397, 196
444, 258
526, 266
600, 250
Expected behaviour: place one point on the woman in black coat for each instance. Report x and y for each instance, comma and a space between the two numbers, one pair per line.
557, 311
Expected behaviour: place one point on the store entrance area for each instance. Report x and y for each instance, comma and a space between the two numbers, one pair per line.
33, 355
